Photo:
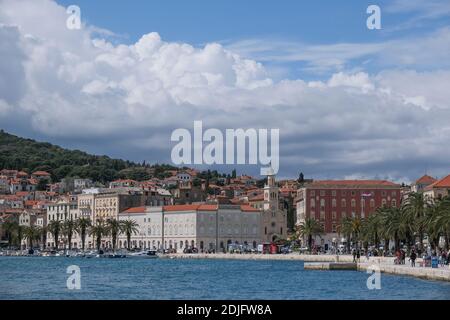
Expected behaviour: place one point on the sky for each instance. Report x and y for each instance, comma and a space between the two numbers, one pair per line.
349, 102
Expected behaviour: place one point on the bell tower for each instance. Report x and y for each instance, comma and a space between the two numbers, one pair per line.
271, 193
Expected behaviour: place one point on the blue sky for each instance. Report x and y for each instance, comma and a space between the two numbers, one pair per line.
349, 102
301, 22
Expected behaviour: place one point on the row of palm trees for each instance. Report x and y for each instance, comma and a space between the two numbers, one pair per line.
67, 229
417, 217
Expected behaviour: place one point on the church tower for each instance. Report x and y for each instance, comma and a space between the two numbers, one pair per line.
274, 221
271, 193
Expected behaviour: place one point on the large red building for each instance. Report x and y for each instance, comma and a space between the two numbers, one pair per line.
328, 201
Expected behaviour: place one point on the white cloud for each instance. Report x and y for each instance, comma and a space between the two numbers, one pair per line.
433, 52
73, 85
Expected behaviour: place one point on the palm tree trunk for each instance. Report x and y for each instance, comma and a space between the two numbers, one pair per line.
114, 243
83, 239
310, 243
70, 242
56, 241
128, 240
376, 241
99, 241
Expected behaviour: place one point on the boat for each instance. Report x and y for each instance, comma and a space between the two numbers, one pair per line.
116, 256
144, 254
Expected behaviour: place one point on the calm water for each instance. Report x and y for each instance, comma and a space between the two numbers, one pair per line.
45, 278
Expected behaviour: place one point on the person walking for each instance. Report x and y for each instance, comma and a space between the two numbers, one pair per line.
413, 257
354, 255
358, 255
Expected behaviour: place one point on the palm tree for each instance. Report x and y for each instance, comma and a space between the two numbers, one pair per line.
416, 205
43, 236
9, 227
82, 226
397, 224
310, 228
129, 227
346, 229
32, 233
371, 230
98, 231
68, 228
356, 224
20, 234
438, 222
55, 228
114, 227
444, 221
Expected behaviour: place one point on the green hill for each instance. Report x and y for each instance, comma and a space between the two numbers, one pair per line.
30, 155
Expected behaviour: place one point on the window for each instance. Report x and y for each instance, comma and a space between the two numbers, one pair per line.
333, 228
383, 202
394, 202
322, 215
343, 203
333, 193
372, 203
322, 193
312, 203
353, 203
333, 203
343, 193
313, 193
333, 215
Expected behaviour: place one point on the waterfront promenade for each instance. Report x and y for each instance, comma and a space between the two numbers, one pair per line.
386, 264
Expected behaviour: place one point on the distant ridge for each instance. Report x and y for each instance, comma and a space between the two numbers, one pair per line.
30, 155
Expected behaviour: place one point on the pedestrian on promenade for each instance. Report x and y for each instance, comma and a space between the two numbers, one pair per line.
354, 255
358, 255
413, 257
397, 257
443, 258
403, 256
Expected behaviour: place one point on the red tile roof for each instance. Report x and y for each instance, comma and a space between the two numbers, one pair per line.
40, 173
426, 179
442, 183
259, 197
135, 210
248, 208
181, 207
22, 193
353, 183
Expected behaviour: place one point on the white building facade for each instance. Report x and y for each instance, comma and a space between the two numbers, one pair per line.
201, 226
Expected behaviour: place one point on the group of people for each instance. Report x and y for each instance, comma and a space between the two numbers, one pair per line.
444, 257
356, 255
400, 256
